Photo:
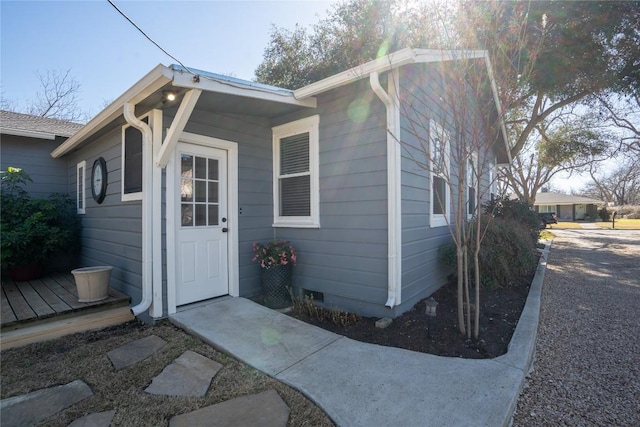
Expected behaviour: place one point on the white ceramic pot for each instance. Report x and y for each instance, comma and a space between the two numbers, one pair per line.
92, 283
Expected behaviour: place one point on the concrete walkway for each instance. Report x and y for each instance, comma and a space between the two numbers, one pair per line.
360, 384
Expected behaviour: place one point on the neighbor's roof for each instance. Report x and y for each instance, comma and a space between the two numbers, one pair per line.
35, 126
550, 198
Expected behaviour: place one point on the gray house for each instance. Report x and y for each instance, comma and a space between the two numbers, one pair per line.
26, 142
567, 207
187, 169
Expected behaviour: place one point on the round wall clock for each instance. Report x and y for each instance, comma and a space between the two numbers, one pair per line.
99, 180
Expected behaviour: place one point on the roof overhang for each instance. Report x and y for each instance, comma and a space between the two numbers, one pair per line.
404, 57
27, 133
182, 78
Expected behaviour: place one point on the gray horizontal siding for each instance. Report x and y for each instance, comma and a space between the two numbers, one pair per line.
112, 231
255, 201
425, 92
422, 274
33, 156
346, 259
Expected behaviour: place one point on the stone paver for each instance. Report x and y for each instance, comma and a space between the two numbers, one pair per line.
97, 419
136, 351
188, 375
264, 409
31, 408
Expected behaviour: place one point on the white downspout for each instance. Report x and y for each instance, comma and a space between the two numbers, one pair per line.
147, 208
393, 187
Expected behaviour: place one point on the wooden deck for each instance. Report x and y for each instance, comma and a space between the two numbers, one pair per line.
48, 307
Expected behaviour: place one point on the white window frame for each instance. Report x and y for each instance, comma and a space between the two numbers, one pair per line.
81, 187
128, 197
310, 125
472, 181
546, 208
439, 220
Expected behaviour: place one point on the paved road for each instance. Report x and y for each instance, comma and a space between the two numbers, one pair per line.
587, 368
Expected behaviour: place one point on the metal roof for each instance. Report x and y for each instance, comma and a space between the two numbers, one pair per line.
231, 80
12, 123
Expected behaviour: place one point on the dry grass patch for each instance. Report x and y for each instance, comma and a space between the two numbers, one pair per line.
565, 225
83, 356
621, 224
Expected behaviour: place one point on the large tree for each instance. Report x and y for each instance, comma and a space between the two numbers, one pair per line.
56, 98
354, 32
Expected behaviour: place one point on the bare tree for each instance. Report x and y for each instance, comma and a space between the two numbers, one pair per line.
620, 186
58, 96
449, 134
569, 142
624, 113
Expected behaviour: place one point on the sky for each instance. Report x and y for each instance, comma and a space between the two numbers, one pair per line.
107, 55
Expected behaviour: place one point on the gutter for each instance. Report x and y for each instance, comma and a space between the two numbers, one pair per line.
394, 227
147, 208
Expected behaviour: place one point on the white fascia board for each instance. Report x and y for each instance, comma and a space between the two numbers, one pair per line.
496, 98
186, 80
154, 80
27, 133
386, 63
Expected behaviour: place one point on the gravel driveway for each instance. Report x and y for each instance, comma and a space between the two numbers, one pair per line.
587, 367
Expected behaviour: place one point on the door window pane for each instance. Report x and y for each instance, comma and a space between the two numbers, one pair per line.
201, 167
187, 215
200, 191
213, 214
201, 215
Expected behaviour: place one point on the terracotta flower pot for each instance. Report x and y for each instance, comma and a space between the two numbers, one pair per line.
24, 273
92, 283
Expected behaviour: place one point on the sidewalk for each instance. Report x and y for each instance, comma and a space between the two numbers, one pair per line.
360, 384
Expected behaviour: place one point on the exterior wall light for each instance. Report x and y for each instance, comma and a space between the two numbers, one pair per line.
430, 310
168, 95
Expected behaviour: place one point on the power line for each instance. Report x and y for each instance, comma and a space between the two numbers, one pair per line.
149, 38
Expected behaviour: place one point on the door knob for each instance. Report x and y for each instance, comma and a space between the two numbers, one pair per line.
225, 229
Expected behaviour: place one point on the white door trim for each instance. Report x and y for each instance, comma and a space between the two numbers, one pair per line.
232, 203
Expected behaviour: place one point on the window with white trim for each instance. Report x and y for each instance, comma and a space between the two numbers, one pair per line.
81, 177
472, 186
440, 198
296, 196
132, 162
546, 208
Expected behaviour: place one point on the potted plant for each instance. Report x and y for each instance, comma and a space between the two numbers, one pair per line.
276, 260
32, 230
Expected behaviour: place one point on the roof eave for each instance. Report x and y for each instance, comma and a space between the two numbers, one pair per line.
191, 81
386, 63
28, 133
154, 80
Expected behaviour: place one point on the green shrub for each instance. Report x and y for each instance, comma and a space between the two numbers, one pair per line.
32, 230
604, 215
518, 211
506, 251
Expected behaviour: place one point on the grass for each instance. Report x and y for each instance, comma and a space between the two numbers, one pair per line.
621, 224
566, 225
83, 356
546, 235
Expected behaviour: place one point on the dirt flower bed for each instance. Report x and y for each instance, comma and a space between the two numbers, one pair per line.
499, 314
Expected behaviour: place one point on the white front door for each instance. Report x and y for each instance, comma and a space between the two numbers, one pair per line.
581, 211
201, 223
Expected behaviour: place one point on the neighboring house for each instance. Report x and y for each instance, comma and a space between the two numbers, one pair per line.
567, 207
26, 142
192, 183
